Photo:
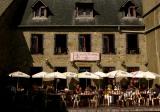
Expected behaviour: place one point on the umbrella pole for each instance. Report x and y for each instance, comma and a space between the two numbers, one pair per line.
17, 83
148, 84
86, 83
56, 85
42, 82
99, 84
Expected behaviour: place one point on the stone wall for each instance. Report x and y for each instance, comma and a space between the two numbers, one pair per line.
96, 46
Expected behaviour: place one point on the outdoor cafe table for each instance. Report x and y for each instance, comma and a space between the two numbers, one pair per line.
84, 99
115, 95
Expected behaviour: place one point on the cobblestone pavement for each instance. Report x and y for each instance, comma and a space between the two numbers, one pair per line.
116, 109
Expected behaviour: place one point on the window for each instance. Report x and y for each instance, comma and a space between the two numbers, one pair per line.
132, 69
129, 9
60, 44
130, 12
84, 42
40, 12
34, 70
132, 44
60, 69
108, 44
36, 44
84, 69
84, 10
108, 69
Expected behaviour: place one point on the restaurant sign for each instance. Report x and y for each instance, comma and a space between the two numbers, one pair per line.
84, 56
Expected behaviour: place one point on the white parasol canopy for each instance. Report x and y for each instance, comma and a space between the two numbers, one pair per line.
88, 75
56, 75
151, 75
100, 74
118, 73
70, 74
19, 74
148, 75
142, 74
138, 74
40, 75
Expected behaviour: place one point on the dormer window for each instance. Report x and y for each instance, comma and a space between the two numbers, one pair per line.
84, 10
129, 9
40, 10
131, 12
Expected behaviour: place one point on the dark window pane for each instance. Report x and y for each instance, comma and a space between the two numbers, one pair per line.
42, 11
132, 69
132, 44
84, 43
37, 44
108, 44
61, 44
108, 69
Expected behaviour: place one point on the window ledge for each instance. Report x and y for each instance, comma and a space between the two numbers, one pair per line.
84, 17
39, 18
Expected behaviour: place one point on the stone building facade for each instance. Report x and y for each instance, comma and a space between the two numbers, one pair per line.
152, 21
151, 10
98, 36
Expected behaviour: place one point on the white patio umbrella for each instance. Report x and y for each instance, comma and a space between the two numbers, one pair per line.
69, 76
101, 74
40, 75
141, 74
151, 75
88, 75
118, 73
56, 75
19, 74
138, 74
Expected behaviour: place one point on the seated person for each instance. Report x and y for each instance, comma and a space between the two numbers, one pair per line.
78, 89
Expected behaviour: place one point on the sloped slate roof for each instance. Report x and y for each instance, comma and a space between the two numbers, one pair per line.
4, 4
63, 13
